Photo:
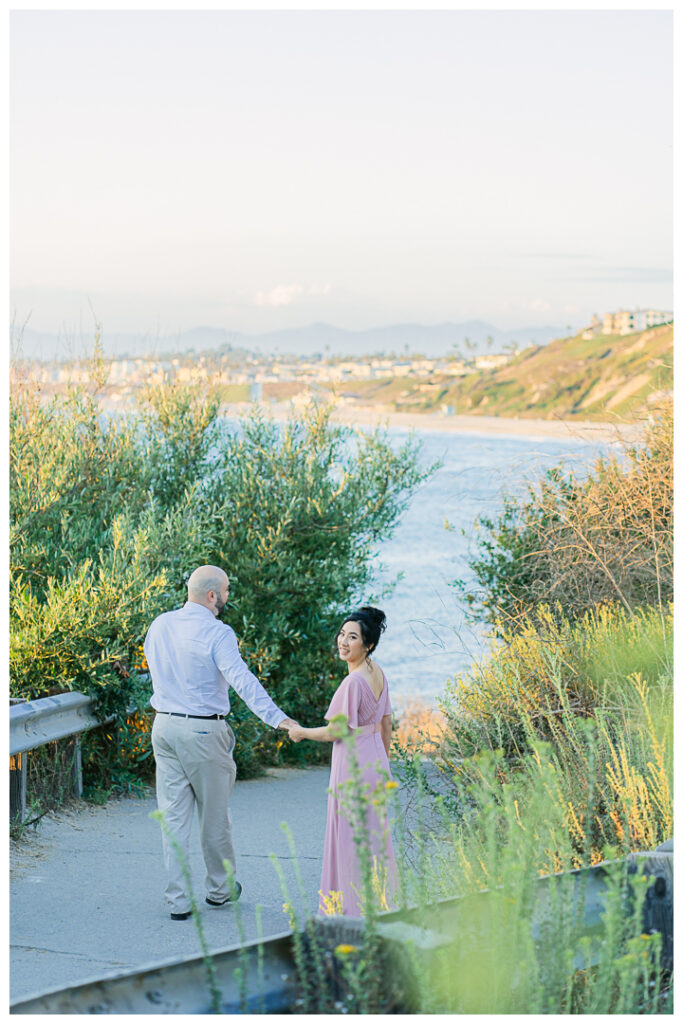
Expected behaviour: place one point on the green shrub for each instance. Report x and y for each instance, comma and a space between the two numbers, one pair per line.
297, 513
70, 476
608, 537
179, 428
81, 632
548, 666
612, 672
110, 515
577, 581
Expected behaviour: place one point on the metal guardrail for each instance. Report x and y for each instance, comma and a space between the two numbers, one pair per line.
180, 986
37, 722
34, 723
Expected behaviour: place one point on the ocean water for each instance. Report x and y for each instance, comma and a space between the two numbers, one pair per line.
428, 638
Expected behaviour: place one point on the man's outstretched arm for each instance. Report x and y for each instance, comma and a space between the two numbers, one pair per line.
234, 669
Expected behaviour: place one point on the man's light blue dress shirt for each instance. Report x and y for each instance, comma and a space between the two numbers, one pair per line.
193, 658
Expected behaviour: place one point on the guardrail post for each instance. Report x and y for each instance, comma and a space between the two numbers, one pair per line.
17, 787
77, 769
17, 778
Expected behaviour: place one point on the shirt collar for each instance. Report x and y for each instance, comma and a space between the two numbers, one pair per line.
199, 609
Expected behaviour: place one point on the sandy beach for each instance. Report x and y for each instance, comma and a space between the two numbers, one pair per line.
564, 430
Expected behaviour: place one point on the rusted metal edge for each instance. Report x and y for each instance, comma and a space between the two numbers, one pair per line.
247, 980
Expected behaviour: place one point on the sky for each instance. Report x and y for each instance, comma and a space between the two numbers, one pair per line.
258, 170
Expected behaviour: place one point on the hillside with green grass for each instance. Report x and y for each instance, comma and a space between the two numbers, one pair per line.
604, 377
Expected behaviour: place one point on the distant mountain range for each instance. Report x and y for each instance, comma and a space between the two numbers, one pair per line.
430, 340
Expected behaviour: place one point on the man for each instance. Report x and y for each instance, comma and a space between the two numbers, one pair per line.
193, 658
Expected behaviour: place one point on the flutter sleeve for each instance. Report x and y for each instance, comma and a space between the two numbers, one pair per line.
345, 702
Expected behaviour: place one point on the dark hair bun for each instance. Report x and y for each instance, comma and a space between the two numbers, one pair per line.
376, 616
372, 623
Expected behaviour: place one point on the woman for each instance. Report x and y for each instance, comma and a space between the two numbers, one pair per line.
363, 699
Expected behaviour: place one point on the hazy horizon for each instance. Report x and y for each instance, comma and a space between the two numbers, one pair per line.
408, 339
262, 170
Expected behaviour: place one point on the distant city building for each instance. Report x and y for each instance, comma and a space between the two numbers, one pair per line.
119, 369
595, 327
621, 322
653, 318
626, 321
490, 362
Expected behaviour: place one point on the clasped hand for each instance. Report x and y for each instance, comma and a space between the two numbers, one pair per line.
296, 732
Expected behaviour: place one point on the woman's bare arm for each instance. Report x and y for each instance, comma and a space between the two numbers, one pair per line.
321, 734
386, 732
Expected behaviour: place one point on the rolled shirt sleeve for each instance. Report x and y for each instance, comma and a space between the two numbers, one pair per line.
234, 670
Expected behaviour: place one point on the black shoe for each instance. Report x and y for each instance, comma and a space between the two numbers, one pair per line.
236, 893
181, 917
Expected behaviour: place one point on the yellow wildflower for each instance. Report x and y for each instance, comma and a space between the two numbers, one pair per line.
331, 903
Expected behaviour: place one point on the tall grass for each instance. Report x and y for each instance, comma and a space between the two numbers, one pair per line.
611, 671
519, 944
517, 939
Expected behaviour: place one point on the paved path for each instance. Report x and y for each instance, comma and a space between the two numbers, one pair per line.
86, 887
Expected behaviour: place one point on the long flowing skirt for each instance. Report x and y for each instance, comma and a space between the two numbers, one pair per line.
355, 818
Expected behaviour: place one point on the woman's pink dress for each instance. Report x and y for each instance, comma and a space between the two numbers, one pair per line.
341, 868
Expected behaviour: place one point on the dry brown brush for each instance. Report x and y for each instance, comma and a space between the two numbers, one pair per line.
582, 543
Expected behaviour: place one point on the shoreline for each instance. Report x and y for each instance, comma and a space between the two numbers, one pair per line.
583, 431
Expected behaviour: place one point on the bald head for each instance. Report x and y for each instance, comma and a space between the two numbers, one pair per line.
208, 585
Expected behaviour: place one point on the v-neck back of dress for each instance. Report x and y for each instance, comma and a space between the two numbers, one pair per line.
370, 708
357, 672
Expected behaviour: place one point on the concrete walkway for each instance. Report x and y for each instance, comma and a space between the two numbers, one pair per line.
86, 891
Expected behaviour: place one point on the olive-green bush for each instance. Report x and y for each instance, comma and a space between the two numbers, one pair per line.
110, 514
584, 542
576, 582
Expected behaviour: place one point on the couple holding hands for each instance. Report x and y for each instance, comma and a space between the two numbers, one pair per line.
193, 659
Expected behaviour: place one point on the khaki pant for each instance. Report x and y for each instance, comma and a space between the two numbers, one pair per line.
194, 764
